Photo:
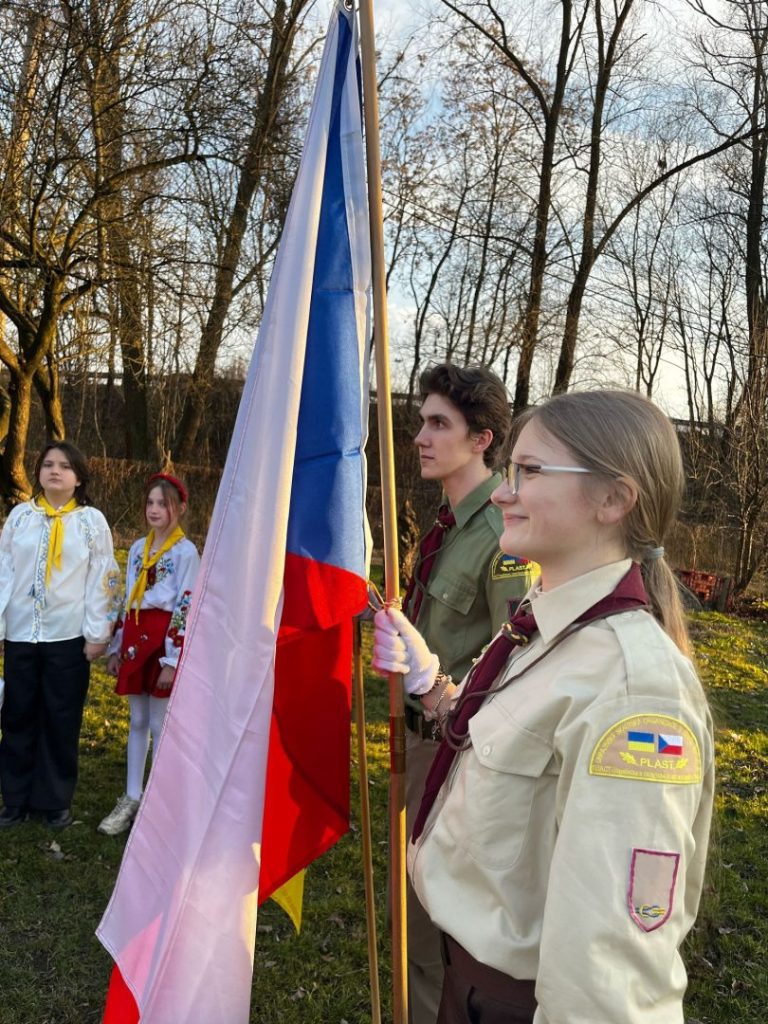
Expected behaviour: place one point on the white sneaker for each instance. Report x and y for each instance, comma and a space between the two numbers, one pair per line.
120, 819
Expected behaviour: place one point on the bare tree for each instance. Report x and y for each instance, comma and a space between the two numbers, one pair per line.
64, 178
646, 254
265, 139
465, 213
732, 89
590, 80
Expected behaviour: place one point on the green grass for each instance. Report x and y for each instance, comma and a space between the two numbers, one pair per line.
728, 950
54, 887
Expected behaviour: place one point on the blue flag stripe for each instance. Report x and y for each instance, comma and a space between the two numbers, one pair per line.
325, 522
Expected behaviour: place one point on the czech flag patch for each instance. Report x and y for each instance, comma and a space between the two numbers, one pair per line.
671, 746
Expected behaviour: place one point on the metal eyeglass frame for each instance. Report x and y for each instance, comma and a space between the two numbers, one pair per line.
515, 468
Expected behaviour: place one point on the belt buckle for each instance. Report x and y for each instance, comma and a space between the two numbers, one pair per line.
429, 730
418, 723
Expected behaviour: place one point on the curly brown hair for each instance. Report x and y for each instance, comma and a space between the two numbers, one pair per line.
481, 398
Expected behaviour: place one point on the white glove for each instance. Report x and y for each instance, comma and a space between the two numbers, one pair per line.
399, 647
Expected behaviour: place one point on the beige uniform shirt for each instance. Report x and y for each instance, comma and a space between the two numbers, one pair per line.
568, 843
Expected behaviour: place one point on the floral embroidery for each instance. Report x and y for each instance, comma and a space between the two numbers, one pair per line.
85, 526
179, 620
110, 585
164, 567
156, 573
23, 518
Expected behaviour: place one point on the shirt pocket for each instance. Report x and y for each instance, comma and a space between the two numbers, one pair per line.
452, 597
454, 591
508, 784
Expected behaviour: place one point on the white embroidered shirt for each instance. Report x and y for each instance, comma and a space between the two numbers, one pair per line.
82, 598
169, 589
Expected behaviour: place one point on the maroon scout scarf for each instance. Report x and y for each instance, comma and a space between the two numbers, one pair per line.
428, 548
629, 593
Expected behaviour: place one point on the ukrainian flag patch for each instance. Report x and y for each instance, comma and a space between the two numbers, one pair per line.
641, 741
648, 748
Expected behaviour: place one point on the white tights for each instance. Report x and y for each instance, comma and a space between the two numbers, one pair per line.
147, 715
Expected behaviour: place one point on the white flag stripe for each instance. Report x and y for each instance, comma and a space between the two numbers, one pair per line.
356, 195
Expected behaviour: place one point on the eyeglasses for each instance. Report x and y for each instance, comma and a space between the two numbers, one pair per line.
516, 469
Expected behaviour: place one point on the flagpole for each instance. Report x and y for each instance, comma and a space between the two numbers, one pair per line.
365, 823
389, 513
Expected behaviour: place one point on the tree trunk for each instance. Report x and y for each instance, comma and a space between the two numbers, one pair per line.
539, 258
110, 129
47, 386
270, 100
607, 61
539, 253
130, 337
16, 485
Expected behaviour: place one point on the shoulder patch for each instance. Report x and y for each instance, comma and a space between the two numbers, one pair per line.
503, 566
648, 748
651, 894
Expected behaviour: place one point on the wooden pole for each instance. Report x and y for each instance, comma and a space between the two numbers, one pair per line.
389, 513
365, 824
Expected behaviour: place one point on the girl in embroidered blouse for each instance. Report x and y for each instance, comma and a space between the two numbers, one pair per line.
145, 649
58, 604
562, 836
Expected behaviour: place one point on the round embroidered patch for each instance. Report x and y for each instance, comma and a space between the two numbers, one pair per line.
649, 748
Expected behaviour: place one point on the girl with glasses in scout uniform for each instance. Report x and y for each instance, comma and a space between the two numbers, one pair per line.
561, 841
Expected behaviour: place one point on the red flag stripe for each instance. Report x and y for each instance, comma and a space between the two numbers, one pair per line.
120, 1006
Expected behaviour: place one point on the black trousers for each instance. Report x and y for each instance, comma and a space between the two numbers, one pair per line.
474, 993
45, 689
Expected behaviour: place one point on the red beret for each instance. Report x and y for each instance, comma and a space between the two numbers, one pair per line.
171, 480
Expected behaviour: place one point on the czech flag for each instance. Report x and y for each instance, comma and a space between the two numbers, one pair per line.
251, 778
670, 745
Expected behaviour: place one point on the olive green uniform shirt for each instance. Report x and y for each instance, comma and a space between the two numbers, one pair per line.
471, 584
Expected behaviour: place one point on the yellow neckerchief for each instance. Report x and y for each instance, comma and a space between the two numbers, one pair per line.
137, 592
56, 538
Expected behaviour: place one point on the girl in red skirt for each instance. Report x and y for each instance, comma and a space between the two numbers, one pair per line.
147, 643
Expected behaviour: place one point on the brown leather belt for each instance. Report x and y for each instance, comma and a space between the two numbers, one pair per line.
417, 723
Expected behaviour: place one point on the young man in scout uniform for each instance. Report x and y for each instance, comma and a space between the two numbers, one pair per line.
460, 592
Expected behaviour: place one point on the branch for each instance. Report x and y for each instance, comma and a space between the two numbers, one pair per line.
526, 76
671, 173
